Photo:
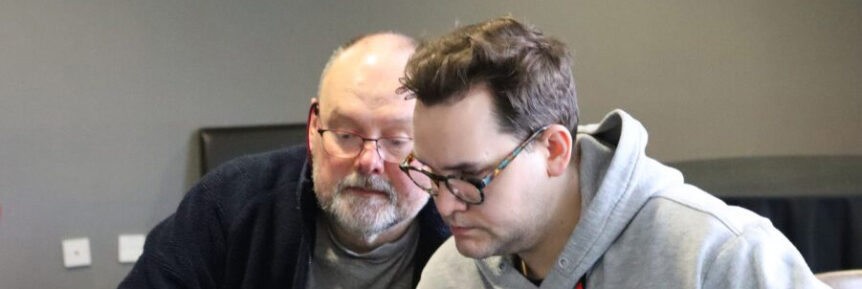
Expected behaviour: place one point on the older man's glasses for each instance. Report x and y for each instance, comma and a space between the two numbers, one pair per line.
344, 144
469, 190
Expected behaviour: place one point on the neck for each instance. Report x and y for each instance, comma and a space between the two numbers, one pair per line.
540, 259
362, 243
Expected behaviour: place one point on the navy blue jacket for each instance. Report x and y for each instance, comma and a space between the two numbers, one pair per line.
249, 224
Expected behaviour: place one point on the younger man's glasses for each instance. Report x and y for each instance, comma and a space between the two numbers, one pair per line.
468, 189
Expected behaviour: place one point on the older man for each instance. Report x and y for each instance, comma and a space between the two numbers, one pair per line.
533, 201
346, 218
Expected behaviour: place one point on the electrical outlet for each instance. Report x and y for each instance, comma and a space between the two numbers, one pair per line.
76, 252
131, 247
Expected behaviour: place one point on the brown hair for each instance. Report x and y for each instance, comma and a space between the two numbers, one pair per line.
528, 74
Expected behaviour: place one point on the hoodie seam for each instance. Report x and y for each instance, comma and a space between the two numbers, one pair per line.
726, 224
724, 248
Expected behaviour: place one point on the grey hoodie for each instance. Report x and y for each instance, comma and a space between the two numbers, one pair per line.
641, 226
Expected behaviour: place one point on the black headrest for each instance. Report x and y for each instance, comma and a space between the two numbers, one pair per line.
776, 175
221, 144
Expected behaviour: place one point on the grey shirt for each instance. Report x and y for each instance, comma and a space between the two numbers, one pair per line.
388, 266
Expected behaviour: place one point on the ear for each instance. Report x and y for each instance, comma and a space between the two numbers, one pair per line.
558, 140
311, 125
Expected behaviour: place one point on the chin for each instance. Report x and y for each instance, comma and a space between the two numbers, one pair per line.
475, 249
365, 215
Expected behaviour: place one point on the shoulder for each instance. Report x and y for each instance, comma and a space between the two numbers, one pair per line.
732, 244
688, 205
259, 169
687, 214
759, 257
252, 179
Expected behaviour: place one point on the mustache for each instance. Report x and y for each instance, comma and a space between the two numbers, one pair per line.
367, 182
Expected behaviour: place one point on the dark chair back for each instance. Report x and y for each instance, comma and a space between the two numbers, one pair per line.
221, 144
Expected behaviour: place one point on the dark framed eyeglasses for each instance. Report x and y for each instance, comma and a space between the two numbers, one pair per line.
345, 144
469, 190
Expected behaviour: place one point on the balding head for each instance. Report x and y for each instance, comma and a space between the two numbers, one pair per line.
381, 42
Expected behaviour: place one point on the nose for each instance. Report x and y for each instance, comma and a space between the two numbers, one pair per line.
447, 204
370, 161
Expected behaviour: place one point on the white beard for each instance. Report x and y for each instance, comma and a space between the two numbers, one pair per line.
363, 216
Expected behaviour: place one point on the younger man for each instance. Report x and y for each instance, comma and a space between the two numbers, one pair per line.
535, 202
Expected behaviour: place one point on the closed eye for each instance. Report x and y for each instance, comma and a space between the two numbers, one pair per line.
397, 142
344, 135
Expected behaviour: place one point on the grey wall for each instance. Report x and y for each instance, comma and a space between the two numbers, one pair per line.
99, 99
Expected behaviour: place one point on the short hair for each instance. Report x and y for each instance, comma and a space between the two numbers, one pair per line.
350, 43
528, 74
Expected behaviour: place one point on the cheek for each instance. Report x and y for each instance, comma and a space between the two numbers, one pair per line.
510, 200
497, 213
520, 181
328, 172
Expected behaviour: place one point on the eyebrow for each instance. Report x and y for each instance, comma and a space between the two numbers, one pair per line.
339, 118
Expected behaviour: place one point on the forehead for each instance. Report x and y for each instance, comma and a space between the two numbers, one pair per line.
451, 134
362, 83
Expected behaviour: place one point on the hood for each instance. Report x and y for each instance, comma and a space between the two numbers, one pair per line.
616, 180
